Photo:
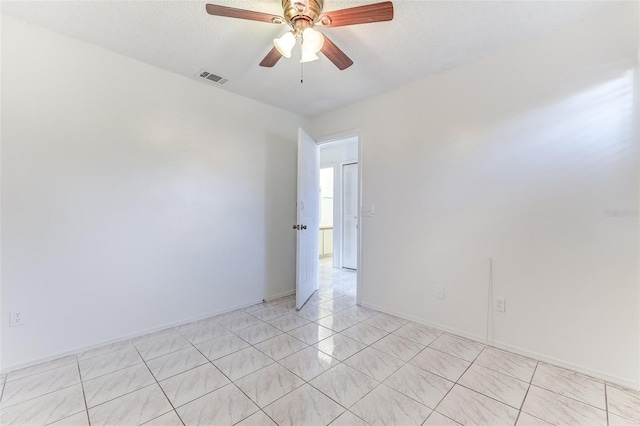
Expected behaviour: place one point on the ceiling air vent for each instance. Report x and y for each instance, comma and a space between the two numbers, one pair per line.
211, 78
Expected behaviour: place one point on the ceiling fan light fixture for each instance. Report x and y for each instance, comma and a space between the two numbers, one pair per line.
285, 44
312, 41
308, 57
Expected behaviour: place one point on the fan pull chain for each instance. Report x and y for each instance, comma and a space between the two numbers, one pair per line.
301, 63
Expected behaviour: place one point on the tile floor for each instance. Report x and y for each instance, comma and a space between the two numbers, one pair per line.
331, 363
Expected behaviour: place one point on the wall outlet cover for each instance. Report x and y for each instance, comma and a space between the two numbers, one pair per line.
16, 318
368, 210
439, 292
499, 304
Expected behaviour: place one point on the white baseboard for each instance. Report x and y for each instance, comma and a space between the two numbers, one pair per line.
279, 295
81, 349
620, 381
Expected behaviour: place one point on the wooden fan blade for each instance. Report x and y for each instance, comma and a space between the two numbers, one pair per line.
271, 59
231, 12
377, 12
335, 55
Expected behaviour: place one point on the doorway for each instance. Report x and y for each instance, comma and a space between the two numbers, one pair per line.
339, 207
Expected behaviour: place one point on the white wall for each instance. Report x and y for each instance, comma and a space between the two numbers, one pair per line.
335, 154
514, 157
132, 198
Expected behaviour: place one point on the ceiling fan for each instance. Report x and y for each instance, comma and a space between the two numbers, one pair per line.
302, 16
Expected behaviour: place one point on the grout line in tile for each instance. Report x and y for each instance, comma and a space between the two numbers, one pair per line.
526, 393
571, 398
39, 396
4, 384
456, 382
606, 402
84, 396
6, 379
114, 371
161, 389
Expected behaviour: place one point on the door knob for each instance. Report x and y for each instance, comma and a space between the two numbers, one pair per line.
303, 226
296, 226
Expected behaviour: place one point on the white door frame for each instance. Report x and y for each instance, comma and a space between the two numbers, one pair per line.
335, 138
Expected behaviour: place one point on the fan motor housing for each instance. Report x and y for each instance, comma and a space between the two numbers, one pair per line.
309, 10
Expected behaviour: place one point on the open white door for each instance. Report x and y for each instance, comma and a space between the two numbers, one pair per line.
308, 218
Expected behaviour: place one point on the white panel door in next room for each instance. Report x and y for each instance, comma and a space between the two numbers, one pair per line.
350, 216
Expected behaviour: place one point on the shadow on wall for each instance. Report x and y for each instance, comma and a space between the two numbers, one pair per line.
280, 202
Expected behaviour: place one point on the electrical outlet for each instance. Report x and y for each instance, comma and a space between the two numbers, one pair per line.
439, 292
16, 318
499, 304
368, 210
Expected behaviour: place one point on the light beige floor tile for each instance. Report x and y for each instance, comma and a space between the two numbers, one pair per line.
175, 363
105, 349
288, 322
154, 348
169, 419
471, 408
344, 384
40, 368
114, 385
258, 333
311, 333
349, 419
339, 346
624, 403
338, 304
570, 384
80, 419
270, 313
416, 383
437, 419
45, 409
525, 419
239, 322
304, 406
444, 365
257, 419
312, 312
268, 384
399, 347
495, 385
507, 363
133, 408
558, 409
374, 363
457, 346
39, 384
364, 333
192, 384
165, 333
418, 333
615, 420
308, 363
104, 364
281, 346
222, 346
225, 406
243, 362
385, 322
385, 406
339, 321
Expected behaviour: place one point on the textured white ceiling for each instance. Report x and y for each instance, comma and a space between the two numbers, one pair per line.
425, 38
